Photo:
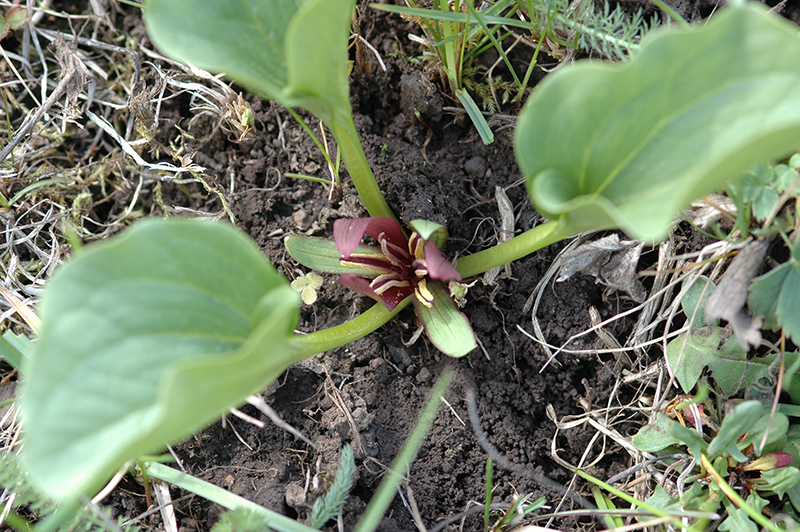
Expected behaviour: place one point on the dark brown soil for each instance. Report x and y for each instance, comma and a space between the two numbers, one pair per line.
440, 171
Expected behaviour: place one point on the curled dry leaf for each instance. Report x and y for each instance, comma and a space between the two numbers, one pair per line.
611, 261
505, 234
729, 297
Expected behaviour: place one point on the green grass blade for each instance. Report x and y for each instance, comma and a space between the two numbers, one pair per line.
388, 487
476, 116
224, 498
14, 348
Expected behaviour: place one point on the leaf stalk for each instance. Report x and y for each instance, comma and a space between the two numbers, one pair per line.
349, 331
531, 240
344, 131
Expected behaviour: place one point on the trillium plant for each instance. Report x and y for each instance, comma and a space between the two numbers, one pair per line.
395, 271
151, 335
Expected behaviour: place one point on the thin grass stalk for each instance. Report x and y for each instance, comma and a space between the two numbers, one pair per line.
386, 491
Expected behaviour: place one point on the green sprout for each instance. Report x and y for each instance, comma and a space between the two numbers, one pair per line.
307, 285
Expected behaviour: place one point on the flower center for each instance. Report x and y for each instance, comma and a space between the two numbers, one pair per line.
397, 268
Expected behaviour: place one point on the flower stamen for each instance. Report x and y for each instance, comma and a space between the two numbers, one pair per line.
423, 294
370, 266
395, 254
393, 283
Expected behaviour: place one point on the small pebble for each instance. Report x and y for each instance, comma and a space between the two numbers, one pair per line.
476, 167
424, 376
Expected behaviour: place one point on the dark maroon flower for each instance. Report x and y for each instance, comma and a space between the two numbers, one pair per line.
398, 269
395, 270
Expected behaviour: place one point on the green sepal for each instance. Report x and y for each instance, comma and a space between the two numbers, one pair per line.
447, 328
430, 232
320, 254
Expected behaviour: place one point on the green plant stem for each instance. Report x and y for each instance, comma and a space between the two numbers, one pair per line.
347, 332
531, 240
223, 497
344, 131
386, 491
674, 15
754, 514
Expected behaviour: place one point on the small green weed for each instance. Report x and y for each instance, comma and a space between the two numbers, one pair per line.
720, 454
307, 286
741, 466
330, 504
609, 32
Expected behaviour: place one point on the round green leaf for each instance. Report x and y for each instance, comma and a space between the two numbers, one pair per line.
145, 338
628, 145
293, 52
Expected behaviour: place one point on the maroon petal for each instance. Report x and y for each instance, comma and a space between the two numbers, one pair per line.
347, 233
782, 459
390, 298
390, 227
769, 461
438, 267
